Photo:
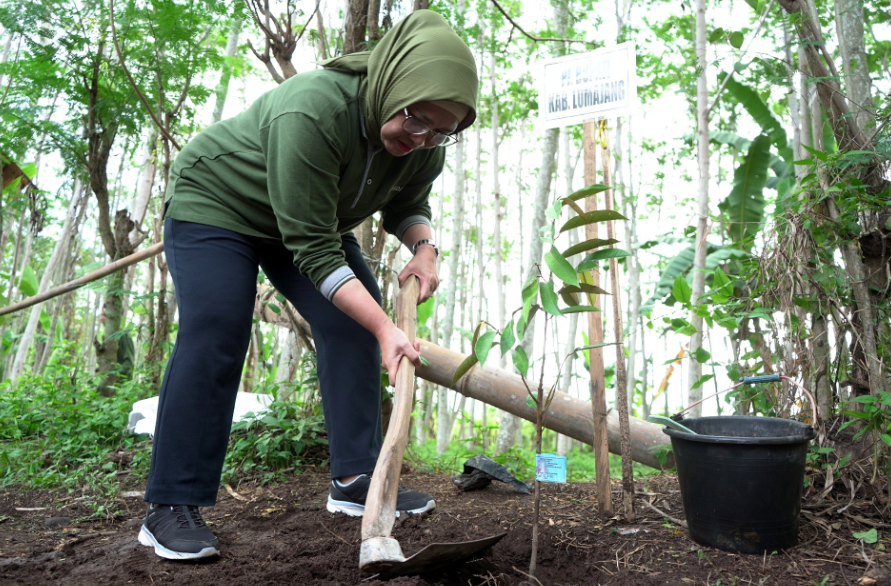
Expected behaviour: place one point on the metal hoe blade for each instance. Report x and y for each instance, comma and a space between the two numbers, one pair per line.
435, 556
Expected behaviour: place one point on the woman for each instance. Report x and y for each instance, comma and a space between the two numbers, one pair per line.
279, 187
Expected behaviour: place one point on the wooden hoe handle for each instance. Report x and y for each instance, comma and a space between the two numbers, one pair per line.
379, 550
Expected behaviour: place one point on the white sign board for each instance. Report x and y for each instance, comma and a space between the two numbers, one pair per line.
588, 86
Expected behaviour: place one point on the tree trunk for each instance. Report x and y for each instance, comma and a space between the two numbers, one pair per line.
323, 39
698, 270
443, 427
24, 343
222, 91
356, 17
855, 64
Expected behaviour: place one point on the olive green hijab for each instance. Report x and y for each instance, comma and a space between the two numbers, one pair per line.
421, 59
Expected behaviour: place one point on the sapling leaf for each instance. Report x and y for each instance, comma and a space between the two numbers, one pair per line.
560, 267
702, 380
546, 234
476, 333
591, 218
585, 288
586, 191
607, 254
507, 338
886, 438
279, 297
466, 365
549, 298
568, 297
579, 309
483, 345
736, 39
531, 402
682, 290
701, 355
523, 324
529, 294
588, 245
553, 212
521, 361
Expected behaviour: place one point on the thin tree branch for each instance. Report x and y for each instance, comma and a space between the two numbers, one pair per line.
117, 47
733, 71
534, 38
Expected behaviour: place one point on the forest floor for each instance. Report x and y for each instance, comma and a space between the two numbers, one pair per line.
283, 534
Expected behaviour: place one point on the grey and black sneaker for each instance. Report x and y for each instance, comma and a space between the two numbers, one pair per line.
350, 499
177, 532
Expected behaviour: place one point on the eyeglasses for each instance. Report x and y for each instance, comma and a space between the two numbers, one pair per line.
415, 127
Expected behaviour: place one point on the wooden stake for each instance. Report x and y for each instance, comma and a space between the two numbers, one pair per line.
621, 377
595, 336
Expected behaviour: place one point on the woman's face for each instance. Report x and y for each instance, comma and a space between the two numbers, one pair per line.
399, 143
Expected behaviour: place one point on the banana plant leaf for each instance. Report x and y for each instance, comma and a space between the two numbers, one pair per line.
744, 206
681, 265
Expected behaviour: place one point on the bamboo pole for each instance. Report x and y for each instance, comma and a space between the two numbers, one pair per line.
600, 439
566, 414
88, 278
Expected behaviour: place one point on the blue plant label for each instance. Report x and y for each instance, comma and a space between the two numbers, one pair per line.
550, 468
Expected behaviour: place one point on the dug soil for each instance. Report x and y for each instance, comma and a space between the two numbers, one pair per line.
283, 534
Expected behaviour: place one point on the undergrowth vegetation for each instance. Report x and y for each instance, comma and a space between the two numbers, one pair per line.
57, 432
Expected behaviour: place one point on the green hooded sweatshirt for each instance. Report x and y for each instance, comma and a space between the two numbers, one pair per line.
305, 164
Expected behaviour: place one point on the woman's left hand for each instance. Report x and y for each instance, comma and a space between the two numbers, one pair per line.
423, 266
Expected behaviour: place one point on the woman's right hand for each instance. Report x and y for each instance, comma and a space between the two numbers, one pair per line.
394, 345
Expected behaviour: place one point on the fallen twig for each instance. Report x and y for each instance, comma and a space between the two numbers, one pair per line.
664, 514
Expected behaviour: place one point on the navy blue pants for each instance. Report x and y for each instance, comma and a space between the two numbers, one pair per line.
215, 273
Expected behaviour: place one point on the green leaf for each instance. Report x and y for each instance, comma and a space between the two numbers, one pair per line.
682, 290
585, 288
886, 438
716, 35
466, 365
744, 206
483, 345
590, 261
591, 218
280, 298
701, 355
702, 380
758, 109
553, 212
736, 39
588, 245
28, 282
868, 537
507, 338
549, 298
546, 234
425, 311
865, 399
560, 267
275, 308
531, 402
529, 294
521, 361
819, 154
592, 189
579, 309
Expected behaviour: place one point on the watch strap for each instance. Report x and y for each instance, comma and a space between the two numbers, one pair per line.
414, 248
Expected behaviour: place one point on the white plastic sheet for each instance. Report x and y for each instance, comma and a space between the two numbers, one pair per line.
144, 413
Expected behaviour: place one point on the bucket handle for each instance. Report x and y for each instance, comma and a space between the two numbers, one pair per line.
754, 380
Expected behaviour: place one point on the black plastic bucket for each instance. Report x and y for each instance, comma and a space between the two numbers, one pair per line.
741, 480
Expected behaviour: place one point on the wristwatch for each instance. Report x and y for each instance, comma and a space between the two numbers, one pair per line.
414, 249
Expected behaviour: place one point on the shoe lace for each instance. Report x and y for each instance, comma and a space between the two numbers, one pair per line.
187, 513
